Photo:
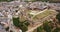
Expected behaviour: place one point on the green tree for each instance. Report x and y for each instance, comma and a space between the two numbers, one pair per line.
39, 29
58, 17
22, 25
46, 27
56, 30
16, 21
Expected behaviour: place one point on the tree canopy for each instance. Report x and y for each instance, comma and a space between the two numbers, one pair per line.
22, 25
58, 17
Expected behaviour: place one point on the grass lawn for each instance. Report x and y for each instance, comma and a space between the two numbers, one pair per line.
43, 14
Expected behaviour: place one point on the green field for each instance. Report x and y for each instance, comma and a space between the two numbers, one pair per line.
43, 14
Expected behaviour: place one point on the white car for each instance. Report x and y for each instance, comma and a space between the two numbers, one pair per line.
20, 30
1, 14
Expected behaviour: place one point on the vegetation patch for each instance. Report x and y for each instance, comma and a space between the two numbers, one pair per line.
58, 17
5, 0
43, 14
47, 27
22, 25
